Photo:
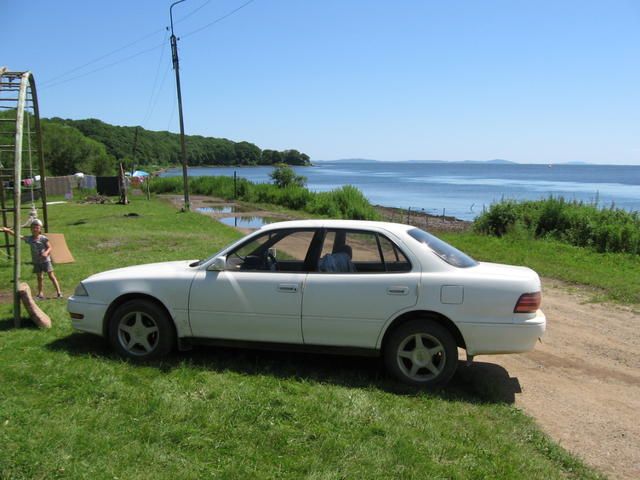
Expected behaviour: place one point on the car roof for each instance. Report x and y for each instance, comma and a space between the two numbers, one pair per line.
397, 228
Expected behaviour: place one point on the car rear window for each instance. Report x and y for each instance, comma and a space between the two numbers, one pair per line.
446, 252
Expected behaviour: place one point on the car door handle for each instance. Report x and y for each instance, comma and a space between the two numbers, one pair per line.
288, 288
398, 290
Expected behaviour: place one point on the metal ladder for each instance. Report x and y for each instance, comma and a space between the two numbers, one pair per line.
20, 139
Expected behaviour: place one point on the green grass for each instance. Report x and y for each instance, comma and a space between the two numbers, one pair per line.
614, 276
69, 408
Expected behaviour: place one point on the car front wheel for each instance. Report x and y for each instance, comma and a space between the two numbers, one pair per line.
141, 330
421, 353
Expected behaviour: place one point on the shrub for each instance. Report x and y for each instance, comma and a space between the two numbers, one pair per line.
284, 176
605, 230
347, 202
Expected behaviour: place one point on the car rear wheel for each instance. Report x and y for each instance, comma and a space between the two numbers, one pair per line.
421, 353
141, 330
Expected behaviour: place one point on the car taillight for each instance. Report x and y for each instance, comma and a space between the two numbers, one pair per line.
528, 303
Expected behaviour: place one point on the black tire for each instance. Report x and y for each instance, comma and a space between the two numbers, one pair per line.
421, 353
141, 330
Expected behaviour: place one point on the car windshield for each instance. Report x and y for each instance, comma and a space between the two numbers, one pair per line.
446, 252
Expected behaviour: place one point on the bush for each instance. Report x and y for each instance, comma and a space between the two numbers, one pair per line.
347, 202
284, 176
605, 230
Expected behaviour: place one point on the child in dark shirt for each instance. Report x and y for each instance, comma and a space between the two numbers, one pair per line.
40, 256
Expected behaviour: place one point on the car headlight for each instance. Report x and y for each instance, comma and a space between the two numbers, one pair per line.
81, 291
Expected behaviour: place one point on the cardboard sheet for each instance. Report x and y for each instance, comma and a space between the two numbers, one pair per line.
60, 252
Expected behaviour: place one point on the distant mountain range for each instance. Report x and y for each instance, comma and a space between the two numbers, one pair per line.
495, 161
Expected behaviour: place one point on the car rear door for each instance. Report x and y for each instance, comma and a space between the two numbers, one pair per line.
350, 308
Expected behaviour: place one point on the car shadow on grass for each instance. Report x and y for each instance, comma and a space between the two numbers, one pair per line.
480, 382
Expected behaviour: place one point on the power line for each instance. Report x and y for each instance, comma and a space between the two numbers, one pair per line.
101, 57
104, 66
53, 83
155, 81
217, 20
119, 49
193, 12
157, 96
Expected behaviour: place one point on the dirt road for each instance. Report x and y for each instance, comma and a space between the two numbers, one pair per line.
582, 384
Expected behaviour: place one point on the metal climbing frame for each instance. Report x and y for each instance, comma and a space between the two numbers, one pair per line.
22, 173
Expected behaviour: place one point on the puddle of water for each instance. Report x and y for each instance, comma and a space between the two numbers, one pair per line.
248, 222
215, 209
222, 209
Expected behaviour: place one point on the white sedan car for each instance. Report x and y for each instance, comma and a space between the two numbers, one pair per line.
327, 285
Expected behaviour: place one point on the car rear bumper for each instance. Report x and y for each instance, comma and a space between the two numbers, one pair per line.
491, 338
92, 315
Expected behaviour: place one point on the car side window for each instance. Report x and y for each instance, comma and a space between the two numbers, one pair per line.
349, 251
394, 259
275, 251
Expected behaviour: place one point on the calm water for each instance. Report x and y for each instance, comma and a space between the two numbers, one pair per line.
460, 189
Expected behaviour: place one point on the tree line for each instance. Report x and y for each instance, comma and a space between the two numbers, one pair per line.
140, 148
95, 147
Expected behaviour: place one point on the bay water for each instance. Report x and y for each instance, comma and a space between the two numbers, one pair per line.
459, 189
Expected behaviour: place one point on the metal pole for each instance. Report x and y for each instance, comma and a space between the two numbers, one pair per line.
183, 148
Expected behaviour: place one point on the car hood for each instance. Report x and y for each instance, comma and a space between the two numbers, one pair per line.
148, 271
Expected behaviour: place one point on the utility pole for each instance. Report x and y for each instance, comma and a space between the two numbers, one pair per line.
176, 67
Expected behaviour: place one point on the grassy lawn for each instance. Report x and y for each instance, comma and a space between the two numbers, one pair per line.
69, 408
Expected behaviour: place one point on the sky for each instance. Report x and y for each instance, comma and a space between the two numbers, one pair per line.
527, 81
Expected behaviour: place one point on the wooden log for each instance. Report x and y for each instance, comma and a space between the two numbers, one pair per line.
40, 318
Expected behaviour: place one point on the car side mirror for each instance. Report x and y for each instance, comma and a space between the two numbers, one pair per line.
219, 264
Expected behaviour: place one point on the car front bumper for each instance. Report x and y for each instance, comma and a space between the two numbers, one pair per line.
92, 314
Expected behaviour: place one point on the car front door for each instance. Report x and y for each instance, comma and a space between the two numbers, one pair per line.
258, 297
348, 305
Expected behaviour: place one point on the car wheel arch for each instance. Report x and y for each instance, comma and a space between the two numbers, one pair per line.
121, 300
424, 315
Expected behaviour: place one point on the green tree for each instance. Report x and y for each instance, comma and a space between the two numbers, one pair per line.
271, 157
247, 153
66, 151
294, 157
283, 176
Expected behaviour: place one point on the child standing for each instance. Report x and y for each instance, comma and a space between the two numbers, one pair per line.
40, 256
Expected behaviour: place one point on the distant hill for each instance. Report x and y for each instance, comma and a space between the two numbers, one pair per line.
496, 161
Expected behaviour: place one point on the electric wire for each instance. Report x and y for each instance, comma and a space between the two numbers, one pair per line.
155, 81
194, 11
104, 67
217, 20
51, 83
119, 49
95, 60
173, 112
157, 96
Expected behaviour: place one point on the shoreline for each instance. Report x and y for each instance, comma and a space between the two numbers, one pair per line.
433, 223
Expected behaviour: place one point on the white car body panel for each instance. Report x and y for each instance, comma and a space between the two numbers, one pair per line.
253, 306
341, 311
332, 309
168, 282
